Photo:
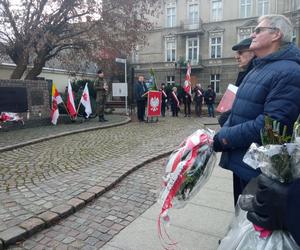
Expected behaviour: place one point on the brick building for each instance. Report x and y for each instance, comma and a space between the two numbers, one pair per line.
203, 32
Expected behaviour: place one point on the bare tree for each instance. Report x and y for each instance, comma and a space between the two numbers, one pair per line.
32, 32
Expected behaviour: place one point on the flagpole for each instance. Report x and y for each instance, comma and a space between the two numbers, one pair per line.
67, 111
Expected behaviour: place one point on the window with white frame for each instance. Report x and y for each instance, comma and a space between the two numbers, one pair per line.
262, 7
245, 32
215, 82
216, 45
192, 49
170, 49
170, 80
245, 8
216, 10
171, 15
193, 12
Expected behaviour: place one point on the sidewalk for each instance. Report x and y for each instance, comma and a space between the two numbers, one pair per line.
198, 226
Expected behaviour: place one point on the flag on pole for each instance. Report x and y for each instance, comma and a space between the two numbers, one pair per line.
187, 83
152, 81
56, 99
86, 101
71, 104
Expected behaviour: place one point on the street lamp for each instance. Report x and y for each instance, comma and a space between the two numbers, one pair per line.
122, 60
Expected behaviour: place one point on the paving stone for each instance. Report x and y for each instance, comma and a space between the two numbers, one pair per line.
76, 203
97, 190
49, 217
63, 210
12, 235
86, 196
32, 225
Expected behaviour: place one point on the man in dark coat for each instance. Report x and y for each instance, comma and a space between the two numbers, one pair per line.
164, 99
209, 98
244, 57
198, 99
140, 90
271, 88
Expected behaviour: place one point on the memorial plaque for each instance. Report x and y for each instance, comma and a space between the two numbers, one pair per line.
13, 99
37, 97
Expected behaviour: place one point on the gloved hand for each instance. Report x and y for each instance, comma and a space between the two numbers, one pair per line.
217, 146
269, 205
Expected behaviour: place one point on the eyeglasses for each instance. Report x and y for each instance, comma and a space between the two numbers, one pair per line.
260, 29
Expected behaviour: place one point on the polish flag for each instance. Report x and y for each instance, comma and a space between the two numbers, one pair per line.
85, 101
70, 104
56, 99
187, 83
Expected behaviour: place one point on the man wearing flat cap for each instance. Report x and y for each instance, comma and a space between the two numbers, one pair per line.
244, 58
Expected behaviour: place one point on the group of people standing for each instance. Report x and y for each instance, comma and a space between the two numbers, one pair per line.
172, 99
198, 97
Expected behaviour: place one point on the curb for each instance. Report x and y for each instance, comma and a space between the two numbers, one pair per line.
46, 219
46, 138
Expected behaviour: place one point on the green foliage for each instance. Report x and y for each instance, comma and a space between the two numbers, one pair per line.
274, 132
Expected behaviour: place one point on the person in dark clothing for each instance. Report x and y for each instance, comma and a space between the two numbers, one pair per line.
164, 99
264, 90
140, 90
187, 99
198, 99
244, 58
101, 88
174, 101
209, 98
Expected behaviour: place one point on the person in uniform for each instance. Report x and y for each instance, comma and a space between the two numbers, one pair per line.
101, 88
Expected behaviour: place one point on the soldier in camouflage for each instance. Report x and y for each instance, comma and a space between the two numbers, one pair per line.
101, 88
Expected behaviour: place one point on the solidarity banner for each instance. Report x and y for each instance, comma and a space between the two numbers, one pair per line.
154, 103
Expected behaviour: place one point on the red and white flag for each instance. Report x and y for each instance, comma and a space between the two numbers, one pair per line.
86, 101
187, 83
56, 99
71, 104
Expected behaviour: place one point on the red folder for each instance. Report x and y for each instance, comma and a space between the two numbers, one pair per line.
227, 99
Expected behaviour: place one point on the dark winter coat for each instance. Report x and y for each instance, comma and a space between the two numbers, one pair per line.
209, 96
140, 89
272, 87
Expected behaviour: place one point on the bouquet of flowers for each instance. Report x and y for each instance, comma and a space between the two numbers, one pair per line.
279, 159
187, 170
10, 117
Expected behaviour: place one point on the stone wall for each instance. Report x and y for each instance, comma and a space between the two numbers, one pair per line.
37, 98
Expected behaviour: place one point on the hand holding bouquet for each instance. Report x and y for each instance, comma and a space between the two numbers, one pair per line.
279, 160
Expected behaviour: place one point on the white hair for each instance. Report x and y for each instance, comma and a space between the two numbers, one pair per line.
280, 22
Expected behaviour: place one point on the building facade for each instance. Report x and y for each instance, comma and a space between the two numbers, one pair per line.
203, 33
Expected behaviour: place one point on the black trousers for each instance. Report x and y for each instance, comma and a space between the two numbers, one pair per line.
163, 107
187, 106
141, 109
238, 187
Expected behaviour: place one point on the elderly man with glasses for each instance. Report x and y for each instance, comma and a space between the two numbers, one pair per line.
271, 88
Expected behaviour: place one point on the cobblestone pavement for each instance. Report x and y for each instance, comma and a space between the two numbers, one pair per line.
94, 225
15, 137
41, 176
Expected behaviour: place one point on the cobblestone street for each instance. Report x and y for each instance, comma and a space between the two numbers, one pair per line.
39, 177
96, 224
